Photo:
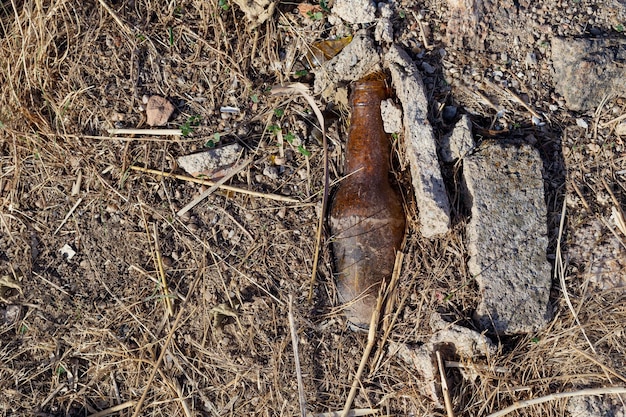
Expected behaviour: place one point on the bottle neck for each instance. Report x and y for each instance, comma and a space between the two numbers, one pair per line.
368, 149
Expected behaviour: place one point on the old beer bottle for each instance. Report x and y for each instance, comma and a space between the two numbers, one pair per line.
366, 217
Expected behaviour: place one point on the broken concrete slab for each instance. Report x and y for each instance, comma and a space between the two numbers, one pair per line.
459, 142
430, 191
392, 116
257, 11
587, 70
507, 237
466, 28
358, 59
212, 163
593, 406
355, 11
453, 342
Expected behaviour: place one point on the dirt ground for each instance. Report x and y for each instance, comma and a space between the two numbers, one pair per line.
91, 332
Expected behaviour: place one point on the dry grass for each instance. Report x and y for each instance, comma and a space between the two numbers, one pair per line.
93, 329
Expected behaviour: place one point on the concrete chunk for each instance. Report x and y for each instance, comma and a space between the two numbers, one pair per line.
211, 163
358, 59
430, 191
459, 142
507, 237
587, 70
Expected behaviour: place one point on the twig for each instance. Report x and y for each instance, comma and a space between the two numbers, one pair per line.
67, 216
153, 132
477, 366
617, 119
114, 409
559, 270
156, 281
164, 347
371, 341
52, 284
182, 399
557, 396
275, 197
444, 386
303, 90
161, 270
356, 412
115, 17
231, 173
296, 356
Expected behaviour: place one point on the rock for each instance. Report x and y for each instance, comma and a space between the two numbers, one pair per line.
158, 111
384, 27
355, 11
355, 61
507, 238
459, 142
211, 163
257, 11
430, 191
592, 406
454, 343
466, 28
598, 252
392, 116
587, 70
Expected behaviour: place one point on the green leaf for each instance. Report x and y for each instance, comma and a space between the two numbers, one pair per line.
279, 112
304, 151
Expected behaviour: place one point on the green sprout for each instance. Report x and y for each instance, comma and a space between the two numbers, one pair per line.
279, 112
212, 142
223, 4
619, 28
170, 34
189, 126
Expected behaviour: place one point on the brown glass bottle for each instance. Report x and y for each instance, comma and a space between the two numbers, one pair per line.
366, 217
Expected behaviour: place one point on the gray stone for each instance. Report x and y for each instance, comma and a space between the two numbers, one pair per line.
592, 406
384, 27
257, 11
454, 343
507, 238
211, 163
392, 116
459, 142
587, 70
430, 191
355, 11
359, 58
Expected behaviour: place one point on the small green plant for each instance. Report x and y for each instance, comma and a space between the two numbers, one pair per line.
315, 15
291, 138
60, 371
301, 73
619, 28
141, 38
214, 141
402, 14
178, 11
535, 340
170, 35
324, 6
190, 125
273, 129
23, 329
223, 4
279, 112
254, 98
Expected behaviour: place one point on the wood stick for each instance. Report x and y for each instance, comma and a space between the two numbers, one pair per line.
296, 355
225, 187
557, 396
151, 132
444, 386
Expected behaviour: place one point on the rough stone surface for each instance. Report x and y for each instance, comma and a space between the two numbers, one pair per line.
600, 254
459, 142
507, 238
466, 27
355, 11
158, 111
606, 406
392, 116
211, 163
430, 191
453, 342
384, 27
586, 70
359, 58
257, 11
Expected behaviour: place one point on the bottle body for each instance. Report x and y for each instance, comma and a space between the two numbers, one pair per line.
366, 217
